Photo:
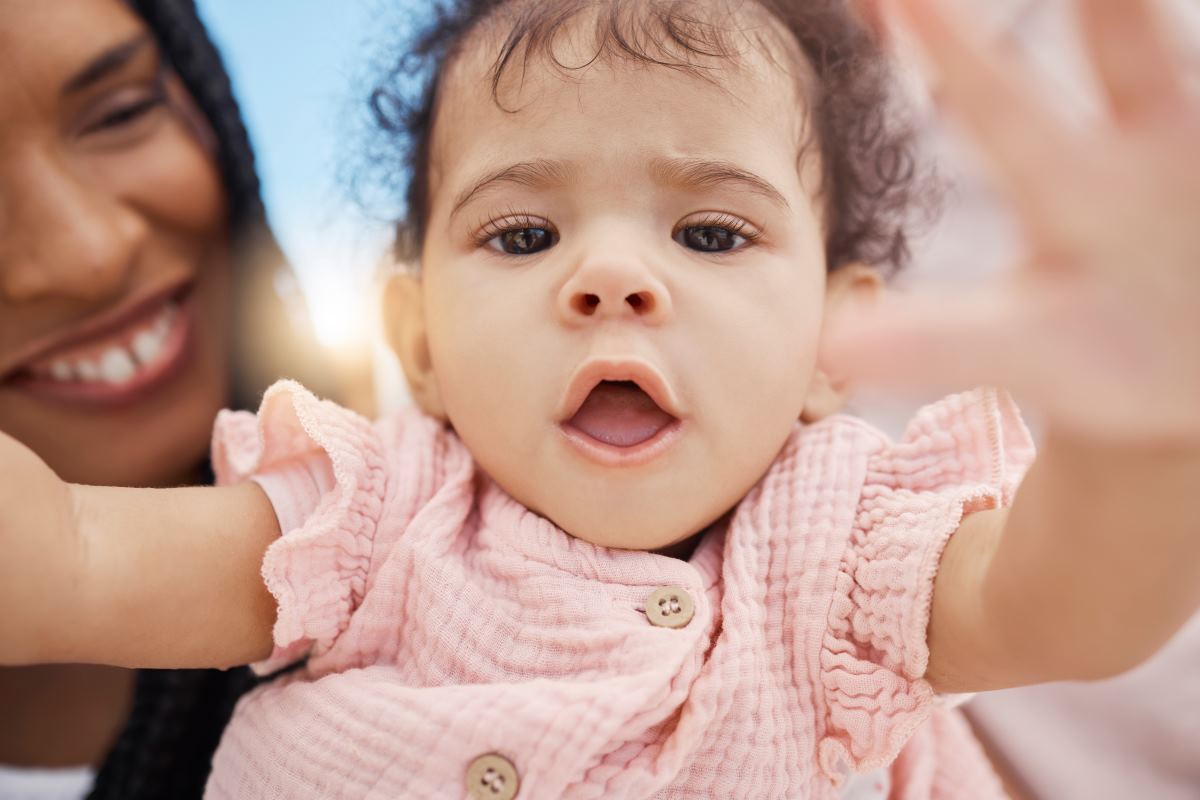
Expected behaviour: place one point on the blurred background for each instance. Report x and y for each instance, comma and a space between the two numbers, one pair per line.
301, 70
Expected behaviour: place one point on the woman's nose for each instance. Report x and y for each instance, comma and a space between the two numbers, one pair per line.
611, 289
63, 235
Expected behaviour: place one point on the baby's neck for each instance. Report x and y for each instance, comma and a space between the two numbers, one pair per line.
684, 549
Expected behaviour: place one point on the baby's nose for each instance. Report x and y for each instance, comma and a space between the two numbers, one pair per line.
614, 289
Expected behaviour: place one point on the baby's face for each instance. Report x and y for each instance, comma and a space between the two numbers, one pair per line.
623, 284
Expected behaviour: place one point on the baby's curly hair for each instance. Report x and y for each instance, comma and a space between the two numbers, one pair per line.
871, 183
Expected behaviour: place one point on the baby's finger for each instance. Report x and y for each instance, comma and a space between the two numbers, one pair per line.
1024, 141
932, 342
1132, 57
869, 12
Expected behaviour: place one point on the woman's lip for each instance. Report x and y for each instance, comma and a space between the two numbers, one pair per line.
608, 455
173, 358
595, 371
97, 327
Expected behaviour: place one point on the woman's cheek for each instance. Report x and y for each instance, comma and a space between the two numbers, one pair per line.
173, 180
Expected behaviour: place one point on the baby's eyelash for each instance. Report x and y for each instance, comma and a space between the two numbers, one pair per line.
512, 221
729, 222
515, 220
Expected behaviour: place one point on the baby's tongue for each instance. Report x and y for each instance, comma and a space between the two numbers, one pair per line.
620, 414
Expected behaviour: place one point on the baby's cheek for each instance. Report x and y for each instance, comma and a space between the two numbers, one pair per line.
487, 363
773, 354
769, 378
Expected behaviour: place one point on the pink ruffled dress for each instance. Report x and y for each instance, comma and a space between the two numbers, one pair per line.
456, 645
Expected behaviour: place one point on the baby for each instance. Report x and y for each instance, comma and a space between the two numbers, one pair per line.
626, 548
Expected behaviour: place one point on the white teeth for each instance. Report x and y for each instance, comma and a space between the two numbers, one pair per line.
147, 345
61, 371
117, 365
88, 371
162, 325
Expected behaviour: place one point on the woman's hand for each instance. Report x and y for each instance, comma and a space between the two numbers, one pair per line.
1099, 328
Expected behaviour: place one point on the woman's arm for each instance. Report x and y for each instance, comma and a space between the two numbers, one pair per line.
130, 577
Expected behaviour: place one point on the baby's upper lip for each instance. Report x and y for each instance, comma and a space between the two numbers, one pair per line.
595, 371
95, 327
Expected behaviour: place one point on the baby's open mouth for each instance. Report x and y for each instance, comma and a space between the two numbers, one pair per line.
620, 414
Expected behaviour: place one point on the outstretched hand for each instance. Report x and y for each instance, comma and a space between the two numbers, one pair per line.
130, 577
34, 502
1099, 327
36, 517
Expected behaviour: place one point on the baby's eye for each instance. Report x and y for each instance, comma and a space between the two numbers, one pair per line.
722, 235
709, 239
522, 241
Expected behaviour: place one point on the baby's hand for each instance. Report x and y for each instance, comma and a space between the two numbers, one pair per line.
130, 577
36, 519
1100, 326
35, 504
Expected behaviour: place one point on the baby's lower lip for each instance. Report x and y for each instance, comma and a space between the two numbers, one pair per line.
608, 454
620, 414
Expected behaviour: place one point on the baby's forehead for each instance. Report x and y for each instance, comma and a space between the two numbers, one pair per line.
553, 91
728, 43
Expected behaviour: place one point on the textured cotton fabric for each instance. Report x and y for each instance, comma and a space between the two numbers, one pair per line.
440, 620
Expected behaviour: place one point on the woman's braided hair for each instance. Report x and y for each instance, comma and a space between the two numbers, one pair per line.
165, 750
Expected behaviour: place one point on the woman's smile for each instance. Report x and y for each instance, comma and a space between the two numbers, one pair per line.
115, 359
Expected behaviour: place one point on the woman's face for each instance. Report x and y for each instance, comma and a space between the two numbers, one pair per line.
114, 253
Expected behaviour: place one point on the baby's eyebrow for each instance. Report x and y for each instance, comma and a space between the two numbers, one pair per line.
688, 173
700, 173
539, 172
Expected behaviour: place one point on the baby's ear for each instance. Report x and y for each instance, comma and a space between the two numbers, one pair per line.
404, 321
850, 289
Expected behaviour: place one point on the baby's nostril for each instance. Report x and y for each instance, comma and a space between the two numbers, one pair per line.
586, 304
641, 302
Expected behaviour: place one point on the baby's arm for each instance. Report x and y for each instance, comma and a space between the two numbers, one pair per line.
1095, 566
1098, 561
130, 577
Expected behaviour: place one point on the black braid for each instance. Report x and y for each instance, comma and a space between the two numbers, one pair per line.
191, 54
165, 750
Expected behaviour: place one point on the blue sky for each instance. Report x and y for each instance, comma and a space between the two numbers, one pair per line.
299, 70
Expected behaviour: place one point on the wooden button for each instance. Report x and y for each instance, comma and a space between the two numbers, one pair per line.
492, 777
670, 607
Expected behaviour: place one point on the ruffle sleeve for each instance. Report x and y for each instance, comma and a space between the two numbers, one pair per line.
964, 454
327, 461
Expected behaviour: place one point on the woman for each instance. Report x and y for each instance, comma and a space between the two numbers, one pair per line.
130, 222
